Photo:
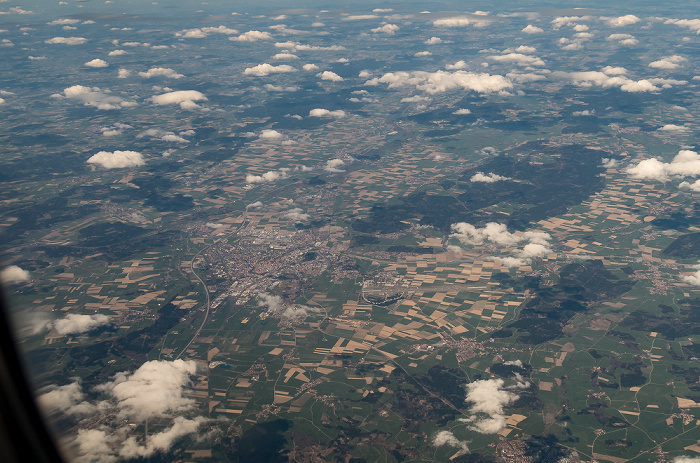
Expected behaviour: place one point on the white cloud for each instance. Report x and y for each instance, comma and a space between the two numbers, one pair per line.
309, 67
695, 186
359, 17
568, 21
161, 441
621, 21
255, 205
319, 112
63, 22
274, 304
591, 78
674, 128
461, 64
388, 29
692, 24
422, 53
67, 40
79, 323
462, 112
68, 399
447, 438
536, 244
334, 165
117, 53
252, 36
623, 39
685, 164
488, 178
693, 279
266, 69
441, 81
609, 163
525, 49
97, 63
518, 59
668, 62
530, 29
185, 98
684, 459
488, 396
123, 73
200, 33
296, 214
269, 134
585, 112
267, 177
580, 27
415, 99
279, 88
433, 41
117, 159
94, 96
161, 72
525, 77
285, 56
330, 75
462, 21
14, 274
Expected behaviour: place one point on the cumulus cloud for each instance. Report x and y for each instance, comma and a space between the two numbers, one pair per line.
68, 399
14, 274
388, 29
66, 40
330, 75
165, 135
684, 459
695, 186
462, 21
571, 21
603, 79
685, 164
489, 397
285, 56
252, 36
275, 304
153, 390
441, 81
669, 62
280, 88
447, 438
320, 112
622, 39
267, 177
462, 112
433, 41
609, 163
296, 46
97, 63
117, 159
266, 69
94, 96
296, 214
692, 24
270, 134
200, 33
530, 29
693, 279
359, 17
334, 165
674, 128
461, 64
185, 98
117, 53
161, 441
255, 205
488, 178
309, 67
535, 244
621, 21
79, 323
518, 59
160, 72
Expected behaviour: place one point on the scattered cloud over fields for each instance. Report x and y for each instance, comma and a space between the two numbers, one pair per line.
266, 69
94, 96
185, 98
442, 81
67, 40
117, 159
79, 323
14, 274
685, 164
